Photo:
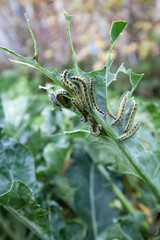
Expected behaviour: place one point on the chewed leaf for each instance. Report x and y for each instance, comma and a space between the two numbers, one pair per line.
113, 76
30, 61
54, 75
116, 29
133, 77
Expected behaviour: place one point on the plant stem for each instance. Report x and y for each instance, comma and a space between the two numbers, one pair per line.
71, 45
116, 190
91, 194
33, 38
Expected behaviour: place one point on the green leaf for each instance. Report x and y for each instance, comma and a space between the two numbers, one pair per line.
75, 231
133, 78
116, 29
54, 157
20, 202
64, 190
93, 196
71, 229
131, 225
98, 152
16, 163
19, 113
127, 228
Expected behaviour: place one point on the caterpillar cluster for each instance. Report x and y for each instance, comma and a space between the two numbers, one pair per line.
84, 99
128, 129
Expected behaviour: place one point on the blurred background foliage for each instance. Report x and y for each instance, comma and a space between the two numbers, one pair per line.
26, 111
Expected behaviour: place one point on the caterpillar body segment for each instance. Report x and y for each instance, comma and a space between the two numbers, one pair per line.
122, 108
110, 113
132, 114
93, 98
96, 130
83, 112
92, 120
67, 83
53, 99
84, 88
60, 96
123, 100
129, 133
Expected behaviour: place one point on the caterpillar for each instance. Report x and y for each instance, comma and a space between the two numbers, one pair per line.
110, 113
53, 99
131, 116
129, 133
122, 108
93, 98
72, 87
84, 88
83, 112
96, 130
62, 99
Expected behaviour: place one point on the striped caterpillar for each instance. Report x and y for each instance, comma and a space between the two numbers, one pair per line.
132, 114
129, 133
60, 99
93, 98
67, 83
96, 130
109, 112
84, 88
83, 112
122, 108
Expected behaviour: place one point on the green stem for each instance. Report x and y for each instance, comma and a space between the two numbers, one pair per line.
33, 38
91, 194
116, 190
71, 45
